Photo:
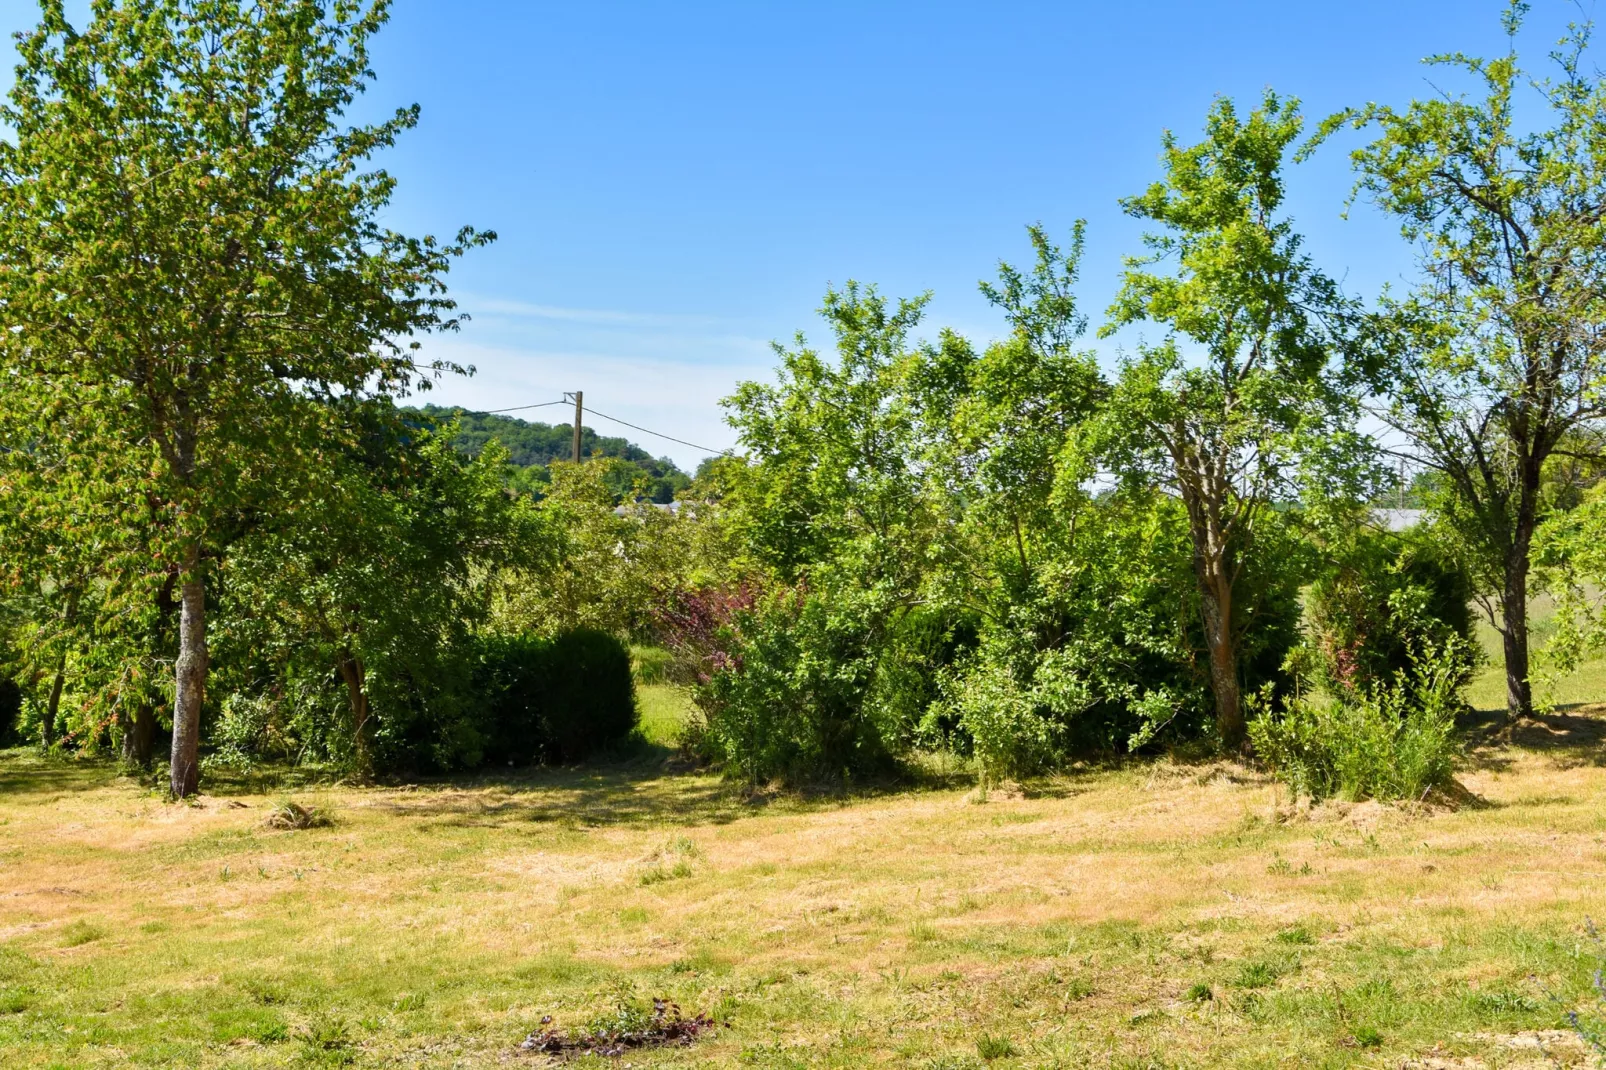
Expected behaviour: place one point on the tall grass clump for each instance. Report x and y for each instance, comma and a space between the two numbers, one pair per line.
1396, 741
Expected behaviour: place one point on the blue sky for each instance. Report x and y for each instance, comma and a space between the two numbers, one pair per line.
676, 184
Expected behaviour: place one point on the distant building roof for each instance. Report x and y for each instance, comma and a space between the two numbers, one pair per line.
1399, 519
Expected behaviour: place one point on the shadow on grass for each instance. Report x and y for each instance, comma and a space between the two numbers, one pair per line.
646, 785
24, 771
646, 790
1571, 735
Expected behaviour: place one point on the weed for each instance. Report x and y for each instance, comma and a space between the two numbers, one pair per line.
1502, 1001
1199, 992
327, 1041
658, 874
15, 1000
291, 815
990, 1047
266, 991
81, 932
629, 1024
1297, 935
686, 847
1256, 975
1367, 1037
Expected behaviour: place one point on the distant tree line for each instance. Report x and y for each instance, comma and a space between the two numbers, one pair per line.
532, 447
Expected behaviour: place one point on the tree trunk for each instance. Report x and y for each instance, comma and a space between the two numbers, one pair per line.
352, 671
1514, 634
55, 701
1216, 609
139, 734
189, 673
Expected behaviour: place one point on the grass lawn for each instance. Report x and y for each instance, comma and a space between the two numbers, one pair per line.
1158, 914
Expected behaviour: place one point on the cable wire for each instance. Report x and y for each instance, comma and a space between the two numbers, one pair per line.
520, 408
655, 434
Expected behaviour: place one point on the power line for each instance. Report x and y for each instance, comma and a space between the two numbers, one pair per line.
516, 408
566, 400
655, 434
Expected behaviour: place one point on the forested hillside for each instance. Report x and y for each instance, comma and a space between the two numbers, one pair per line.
532, 447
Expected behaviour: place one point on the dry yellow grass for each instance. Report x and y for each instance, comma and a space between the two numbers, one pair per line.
1078, 923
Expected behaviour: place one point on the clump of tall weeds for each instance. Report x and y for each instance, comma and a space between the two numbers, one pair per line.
289, 814
1396, 741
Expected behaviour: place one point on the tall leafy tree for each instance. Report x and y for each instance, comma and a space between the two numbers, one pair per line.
1496, 363
1224, 410
190, 242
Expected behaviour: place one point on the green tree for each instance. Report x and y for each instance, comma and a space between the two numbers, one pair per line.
835, 487
377, 577
1226, 409
1496, 363
189, 242
1008, 421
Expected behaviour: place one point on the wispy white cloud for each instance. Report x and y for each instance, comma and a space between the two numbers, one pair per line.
478, 305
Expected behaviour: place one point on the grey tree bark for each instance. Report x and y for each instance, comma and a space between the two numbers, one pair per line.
189, 678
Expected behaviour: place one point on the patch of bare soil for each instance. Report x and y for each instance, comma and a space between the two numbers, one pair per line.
666, 1027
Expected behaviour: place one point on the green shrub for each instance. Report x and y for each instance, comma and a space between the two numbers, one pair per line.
562, 698
1396, 743
590, 694
922, 643
1384, 595
1015, 704
788, 698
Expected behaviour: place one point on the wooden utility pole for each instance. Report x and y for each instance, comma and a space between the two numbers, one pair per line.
579, 398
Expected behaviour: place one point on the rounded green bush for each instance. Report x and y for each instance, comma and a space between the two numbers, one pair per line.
562, 698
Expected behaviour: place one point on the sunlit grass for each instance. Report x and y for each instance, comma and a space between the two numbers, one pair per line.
1158, 914
1487, 691
665, 710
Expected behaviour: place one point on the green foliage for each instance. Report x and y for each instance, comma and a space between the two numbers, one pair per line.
604, 566
375, 584
921, 645
1571, 557
1015, 704
834, 490
562, 698
1229, 429
1397, 742
1488, 370
790, 702
1381, 596
197, 286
